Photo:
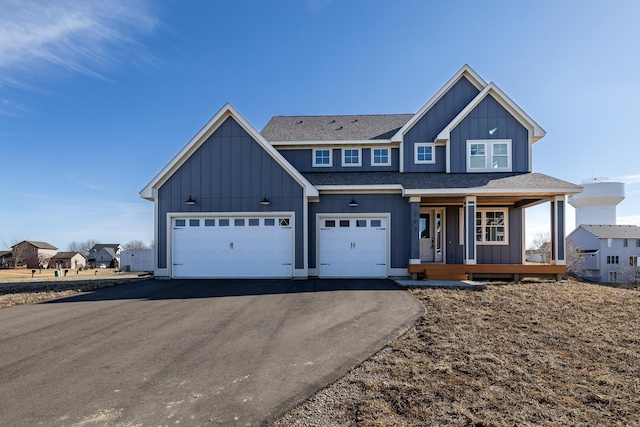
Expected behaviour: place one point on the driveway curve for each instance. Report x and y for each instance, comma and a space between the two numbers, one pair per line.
190, 352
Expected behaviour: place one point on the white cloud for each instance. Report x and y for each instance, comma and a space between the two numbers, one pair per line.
629, 179
41, 37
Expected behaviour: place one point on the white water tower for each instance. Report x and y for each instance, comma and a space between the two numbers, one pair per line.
597, 202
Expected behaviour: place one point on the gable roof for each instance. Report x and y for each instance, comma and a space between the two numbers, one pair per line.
99, 246
613, 231
39, 245
224, 113
333, 128
467, 72
536, 131
66, 255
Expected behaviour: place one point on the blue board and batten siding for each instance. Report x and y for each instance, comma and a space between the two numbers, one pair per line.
393, 204
485, 254
427, 128
230, 172
486, 116
302, 160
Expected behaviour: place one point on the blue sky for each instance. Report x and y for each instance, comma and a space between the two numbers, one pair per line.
96, 97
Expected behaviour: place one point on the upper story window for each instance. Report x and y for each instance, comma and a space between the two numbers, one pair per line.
351, 157
489, 155
380, 157
322, 158
425, 152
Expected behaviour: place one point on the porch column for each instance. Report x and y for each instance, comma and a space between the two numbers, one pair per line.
414, 256
558, 255
469, 229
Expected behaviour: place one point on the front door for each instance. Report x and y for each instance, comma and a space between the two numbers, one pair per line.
431, 235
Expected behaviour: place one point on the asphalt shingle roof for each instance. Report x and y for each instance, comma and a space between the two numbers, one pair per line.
442, 180
334, 128
614, 231
41, 245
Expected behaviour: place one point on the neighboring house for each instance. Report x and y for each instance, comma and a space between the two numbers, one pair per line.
136, 260
6, 259
101, 255
68, 260
33, 254
607, 253
358, 195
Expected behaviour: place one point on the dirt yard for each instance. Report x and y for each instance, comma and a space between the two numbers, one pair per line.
17, 287
531, 354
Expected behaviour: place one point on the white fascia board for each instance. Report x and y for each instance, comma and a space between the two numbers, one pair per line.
490, 191
345, 142
536, 131
465, 71
212, 125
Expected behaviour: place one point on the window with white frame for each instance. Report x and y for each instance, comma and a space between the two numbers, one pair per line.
425, 152
351, 157
489, 155
380, 157
322, 158
491, 226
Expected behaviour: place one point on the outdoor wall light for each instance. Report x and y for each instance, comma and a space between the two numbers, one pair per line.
265, 201
353, 202
190, 201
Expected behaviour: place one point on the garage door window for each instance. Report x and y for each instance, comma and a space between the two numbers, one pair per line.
283, 222
376, 223
254, 222
330, 223
239, 222
209, 222
269, 222
194, 223
361, 223
344, 223
223, 222
181, 222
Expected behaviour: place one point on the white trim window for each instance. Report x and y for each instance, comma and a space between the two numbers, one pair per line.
492, 226
424, 153
380, 157
351, 157
489, 155
322, 158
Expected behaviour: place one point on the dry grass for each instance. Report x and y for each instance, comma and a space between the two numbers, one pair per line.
17, 287
519, 355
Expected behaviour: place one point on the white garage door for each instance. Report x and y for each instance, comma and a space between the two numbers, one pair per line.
232, 247
353, 247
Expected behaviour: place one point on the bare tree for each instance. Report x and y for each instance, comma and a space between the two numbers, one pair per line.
629, 270
541, 248
574, 258
43, 260
19, 253
134, 245
82, 247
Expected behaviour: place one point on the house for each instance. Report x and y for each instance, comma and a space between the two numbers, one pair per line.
607, 253
33, 254
6, 259
440, 192
68, 260
102, 255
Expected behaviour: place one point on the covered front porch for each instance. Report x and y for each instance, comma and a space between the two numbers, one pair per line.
480, 235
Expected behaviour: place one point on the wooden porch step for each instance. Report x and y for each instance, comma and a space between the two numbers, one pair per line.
456, 277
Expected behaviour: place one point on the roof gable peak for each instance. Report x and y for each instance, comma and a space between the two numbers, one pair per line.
465, 71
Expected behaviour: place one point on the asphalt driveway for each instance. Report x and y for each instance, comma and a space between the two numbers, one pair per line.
190, 353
